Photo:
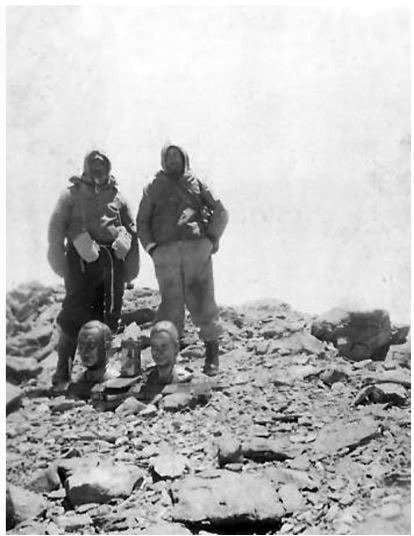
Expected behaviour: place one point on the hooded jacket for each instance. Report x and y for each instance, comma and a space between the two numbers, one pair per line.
85, 206
174, 209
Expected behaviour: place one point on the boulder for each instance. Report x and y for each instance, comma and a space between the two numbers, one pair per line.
19, 369
228, 499
22, 504
103, 482
13, 397
358, 335
340, 435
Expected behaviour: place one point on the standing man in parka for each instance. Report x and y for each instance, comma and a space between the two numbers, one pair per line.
93, 245
179, 224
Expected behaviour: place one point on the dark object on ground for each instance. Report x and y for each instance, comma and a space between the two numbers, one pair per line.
358, 335
140, 316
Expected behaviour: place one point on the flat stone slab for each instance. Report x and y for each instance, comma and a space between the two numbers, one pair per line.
266, 450
339, 435
230, 498
72, 523
390, 376
101, 483
169, 466
121, 384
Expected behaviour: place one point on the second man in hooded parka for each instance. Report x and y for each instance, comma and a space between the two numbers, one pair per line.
179, 224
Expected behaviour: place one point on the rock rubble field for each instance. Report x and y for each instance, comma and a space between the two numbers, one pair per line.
306, 430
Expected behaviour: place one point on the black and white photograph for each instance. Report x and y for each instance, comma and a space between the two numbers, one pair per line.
207, 268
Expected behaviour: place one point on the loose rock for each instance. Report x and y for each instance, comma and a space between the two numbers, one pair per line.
229, 498
339, 435
19, 369
102, 483
384, 393
264, 450
334, 374
229, 451
177, 401
130, 406
169, 466
72, 523
23, 504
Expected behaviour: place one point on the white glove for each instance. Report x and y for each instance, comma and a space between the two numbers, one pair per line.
87, 248
122, 244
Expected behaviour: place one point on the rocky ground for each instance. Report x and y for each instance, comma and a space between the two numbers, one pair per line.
290, 438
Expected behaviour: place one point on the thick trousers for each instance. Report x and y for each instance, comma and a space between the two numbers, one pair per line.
94, 291
184, 272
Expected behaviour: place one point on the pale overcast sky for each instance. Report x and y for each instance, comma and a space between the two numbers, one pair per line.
298, 118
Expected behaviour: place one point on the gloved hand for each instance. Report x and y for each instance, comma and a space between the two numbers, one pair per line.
87, 248
122, 244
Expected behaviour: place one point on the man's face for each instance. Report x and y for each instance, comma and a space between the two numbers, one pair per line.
174, 161
98, 170
163, 350
90, 346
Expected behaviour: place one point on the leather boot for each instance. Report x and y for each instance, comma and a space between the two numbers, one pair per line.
66, 349
211, 364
